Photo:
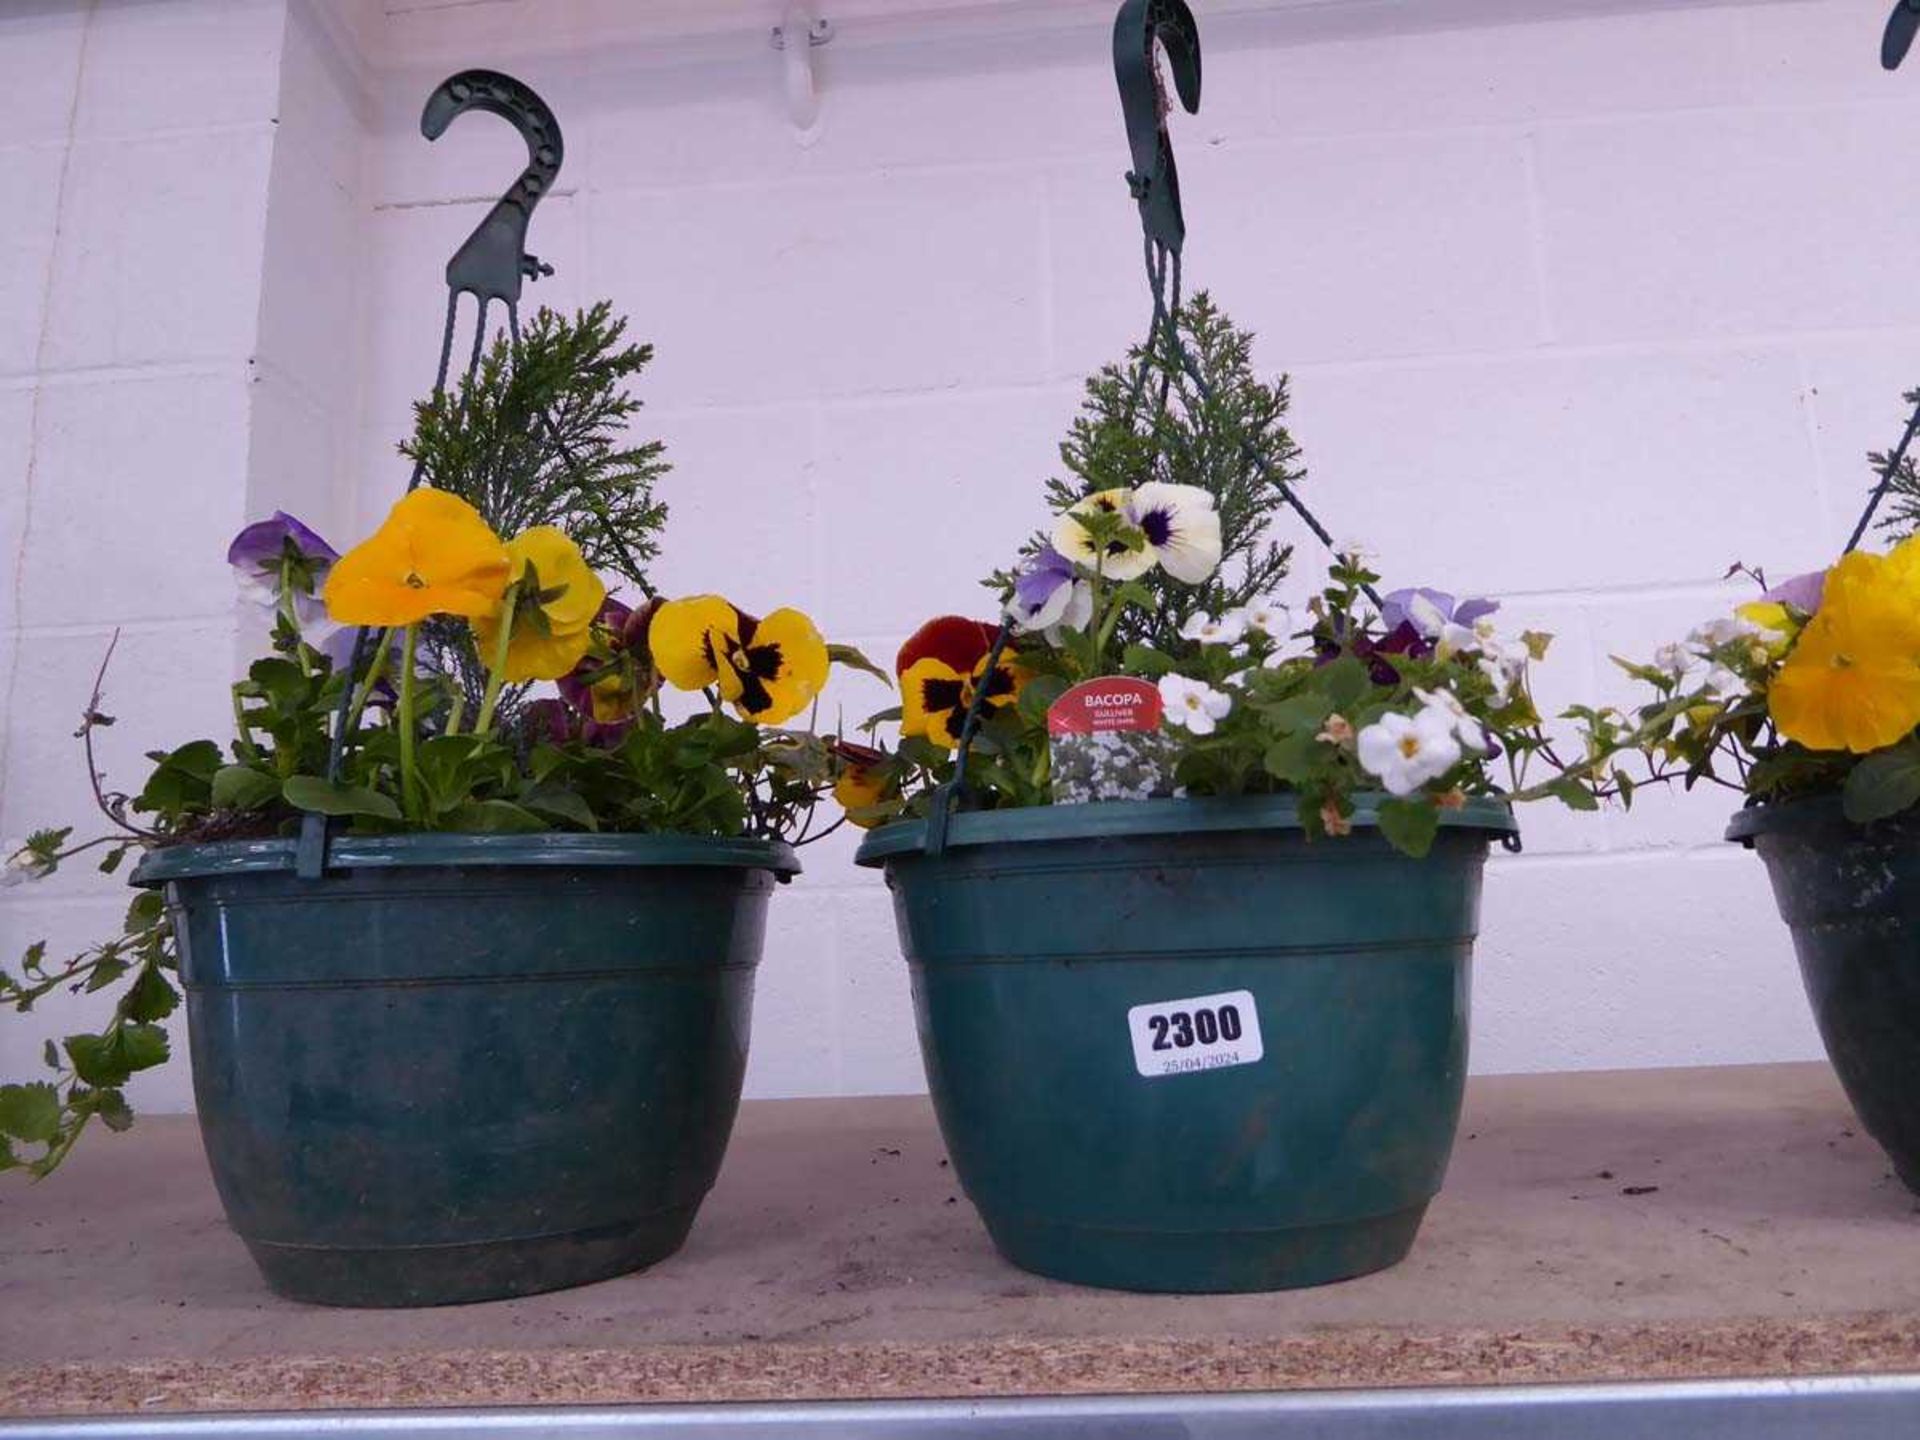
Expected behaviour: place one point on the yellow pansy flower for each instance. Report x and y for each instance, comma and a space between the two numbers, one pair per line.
935, 696
768, 670
432, 555
868, 781
1119, 562
1853, 681
554, 607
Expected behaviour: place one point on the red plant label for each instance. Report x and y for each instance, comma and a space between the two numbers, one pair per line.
1108, 705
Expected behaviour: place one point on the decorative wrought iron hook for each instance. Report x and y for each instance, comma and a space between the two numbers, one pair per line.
494, 259
1154, 180
1902, 26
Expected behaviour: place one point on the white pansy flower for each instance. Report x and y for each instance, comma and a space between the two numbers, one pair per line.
1182, 528
1068, 607
1428, 618
1467, 730
1404, 752
1193, 704
1227, 630
1077, 615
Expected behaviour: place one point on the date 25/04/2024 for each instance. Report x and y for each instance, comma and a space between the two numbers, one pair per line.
1202, 1032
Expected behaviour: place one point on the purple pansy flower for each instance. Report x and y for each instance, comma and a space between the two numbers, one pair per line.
259, 551
606, 697
1050, 592
1803, 592
284, 550
1376, 655
1419, 606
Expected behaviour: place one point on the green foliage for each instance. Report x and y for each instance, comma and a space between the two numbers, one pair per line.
535, 436
90, 1069
1883, 784
1224, 432
1901, 517
1293, 722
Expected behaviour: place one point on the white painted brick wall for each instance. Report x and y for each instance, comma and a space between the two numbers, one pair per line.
137, 139
1583, 301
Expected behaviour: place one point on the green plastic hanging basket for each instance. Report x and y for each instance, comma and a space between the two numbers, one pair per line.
1175, 1045
463, 1067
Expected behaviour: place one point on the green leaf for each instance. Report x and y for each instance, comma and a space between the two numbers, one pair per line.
1294, 758
1300, 714
1574, 793
198, 758
106, 1061
1344, 682
241, 787
1885, 783
111, 1106
310, 792
181, 780
561, 804
494, 817
1410, 825
30, 1112
105, 972
284, 682
97, 1059
1145, 661
151, 997
145, 911
1037, 695
144, 1046
851, 658
50, 1053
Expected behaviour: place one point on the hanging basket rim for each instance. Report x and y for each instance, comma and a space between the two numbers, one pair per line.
1122, 819
399, 852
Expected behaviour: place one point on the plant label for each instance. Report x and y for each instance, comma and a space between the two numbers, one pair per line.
1206, 1032
1108, 743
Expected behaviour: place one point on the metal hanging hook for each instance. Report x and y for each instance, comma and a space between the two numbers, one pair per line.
1902, 26
1154, 179
494, 260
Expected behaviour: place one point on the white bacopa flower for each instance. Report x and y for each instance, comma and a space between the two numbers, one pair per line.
1673, 659
1722, 681
1715, 633
20, 865
1193, 704
1405, 751
1227, 630
1269, 617
1471, 734
1182, 528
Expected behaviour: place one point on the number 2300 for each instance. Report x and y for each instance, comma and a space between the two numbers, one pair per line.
1183, 1029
